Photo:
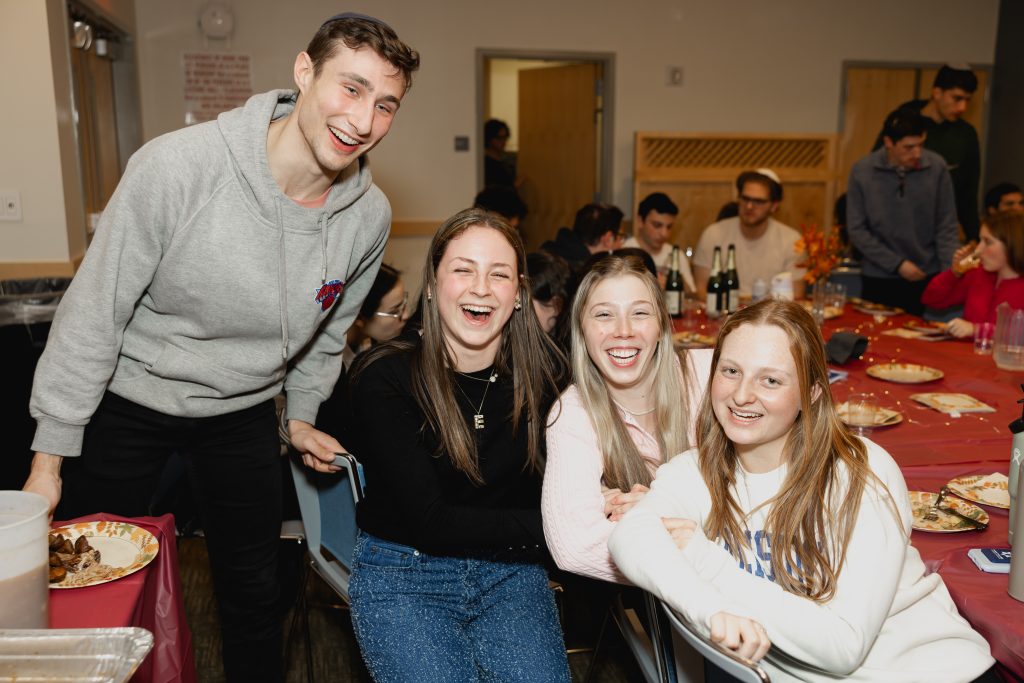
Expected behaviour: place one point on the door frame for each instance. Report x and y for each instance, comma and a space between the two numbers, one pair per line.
606, 136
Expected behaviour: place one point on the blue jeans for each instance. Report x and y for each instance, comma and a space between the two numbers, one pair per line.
419, 617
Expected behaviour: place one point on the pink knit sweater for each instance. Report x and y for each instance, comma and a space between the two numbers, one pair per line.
575, 526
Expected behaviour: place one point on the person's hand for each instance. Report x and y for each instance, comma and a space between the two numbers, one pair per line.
960, 328
964, 259
317, 448
681, 530
746, 637
44, 478
621, 503
909, 271
608, 494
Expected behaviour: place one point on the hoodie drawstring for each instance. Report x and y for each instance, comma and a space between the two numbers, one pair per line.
323, 248
282, 283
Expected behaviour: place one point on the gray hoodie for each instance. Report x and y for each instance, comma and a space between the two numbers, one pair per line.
206, 289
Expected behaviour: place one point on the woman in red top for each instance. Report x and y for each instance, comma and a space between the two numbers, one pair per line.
1001, 257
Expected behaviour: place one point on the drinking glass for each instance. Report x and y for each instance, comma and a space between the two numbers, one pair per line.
860, 413
835, 294
818, 302
24, 571
983, 334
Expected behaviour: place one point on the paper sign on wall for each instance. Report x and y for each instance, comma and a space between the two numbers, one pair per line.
214, 82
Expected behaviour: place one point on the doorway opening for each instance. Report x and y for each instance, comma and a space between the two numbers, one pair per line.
558, 109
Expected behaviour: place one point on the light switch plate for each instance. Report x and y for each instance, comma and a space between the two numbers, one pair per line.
10, 205
461, 143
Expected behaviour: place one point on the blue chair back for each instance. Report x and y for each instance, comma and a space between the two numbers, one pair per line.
327, 503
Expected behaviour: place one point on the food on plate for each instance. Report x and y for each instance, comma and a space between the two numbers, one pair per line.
79, 559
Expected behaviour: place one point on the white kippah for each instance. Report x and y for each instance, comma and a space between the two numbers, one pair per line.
769, 173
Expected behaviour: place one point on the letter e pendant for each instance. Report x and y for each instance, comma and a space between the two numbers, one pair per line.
478, 421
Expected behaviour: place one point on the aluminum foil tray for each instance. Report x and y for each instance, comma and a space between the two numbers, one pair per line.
100, 655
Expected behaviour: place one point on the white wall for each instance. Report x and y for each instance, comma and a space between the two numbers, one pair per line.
30, 160
748, 66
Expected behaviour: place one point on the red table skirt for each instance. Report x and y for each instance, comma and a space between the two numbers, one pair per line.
149, 598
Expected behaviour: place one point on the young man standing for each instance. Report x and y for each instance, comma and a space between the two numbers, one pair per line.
228, 265
764, 246
953, 138
655, 217
900, 214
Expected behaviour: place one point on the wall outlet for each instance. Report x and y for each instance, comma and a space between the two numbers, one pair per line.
10, 205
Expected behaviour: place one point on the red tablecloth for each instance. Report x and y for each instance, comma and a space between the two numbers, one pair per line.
150, 598
926, 436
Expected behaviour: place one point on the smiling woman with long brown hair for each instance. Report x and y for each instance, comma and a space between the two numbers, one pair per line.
448, 582
783, 531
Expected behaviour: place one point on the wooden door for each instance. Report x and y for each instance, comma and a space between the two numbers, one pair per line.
871, 93
558, 145
97, 127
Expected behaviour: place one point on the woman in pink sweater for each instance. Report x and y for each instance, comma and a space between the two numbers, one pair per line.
631, 408
1001, 257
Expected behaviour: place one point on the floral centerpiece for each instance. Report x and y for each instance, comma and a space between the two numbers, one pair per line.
820, 252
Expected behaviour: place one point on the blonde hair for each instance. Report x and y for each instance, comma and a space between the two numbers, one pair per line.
623, 464
813, 514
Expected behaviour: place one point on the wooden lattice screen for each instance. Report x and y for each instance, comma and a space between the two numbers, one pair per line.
698, 172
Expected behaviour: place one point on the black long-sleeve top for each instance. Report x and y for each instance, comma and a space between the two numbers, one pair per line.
416, 496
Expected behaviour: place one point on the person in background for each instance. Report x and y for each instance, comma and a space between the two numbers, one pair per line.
953, 138
631, 408
551, 288
728, 210
784, 535
498, 170
448, 579
1004, 197
597, 229
504, 201
983, 276
228, 265
765, 247
901, 215
655, 217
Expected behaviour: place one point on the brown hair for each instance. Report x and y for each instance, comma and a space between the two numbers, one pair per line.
536, 365
813, 514
357, 32
622, 462
1008, 228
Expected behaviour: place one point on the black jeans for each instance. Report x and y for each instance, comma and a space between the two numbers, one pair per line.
233, 463
895, 291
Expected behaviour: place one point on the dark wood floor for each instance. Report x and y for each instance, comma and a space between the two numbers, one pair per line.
335, 655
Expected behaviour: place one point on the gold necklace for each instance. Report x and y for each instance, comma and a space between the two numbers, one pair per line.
478, 416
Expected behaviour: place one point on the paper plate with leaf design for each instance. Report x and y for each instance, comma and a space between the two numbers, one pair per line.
124, 549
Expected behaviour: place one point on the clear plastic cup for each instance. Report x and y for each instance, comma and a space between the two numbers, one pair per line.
860, 413
24, 570
983, 334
